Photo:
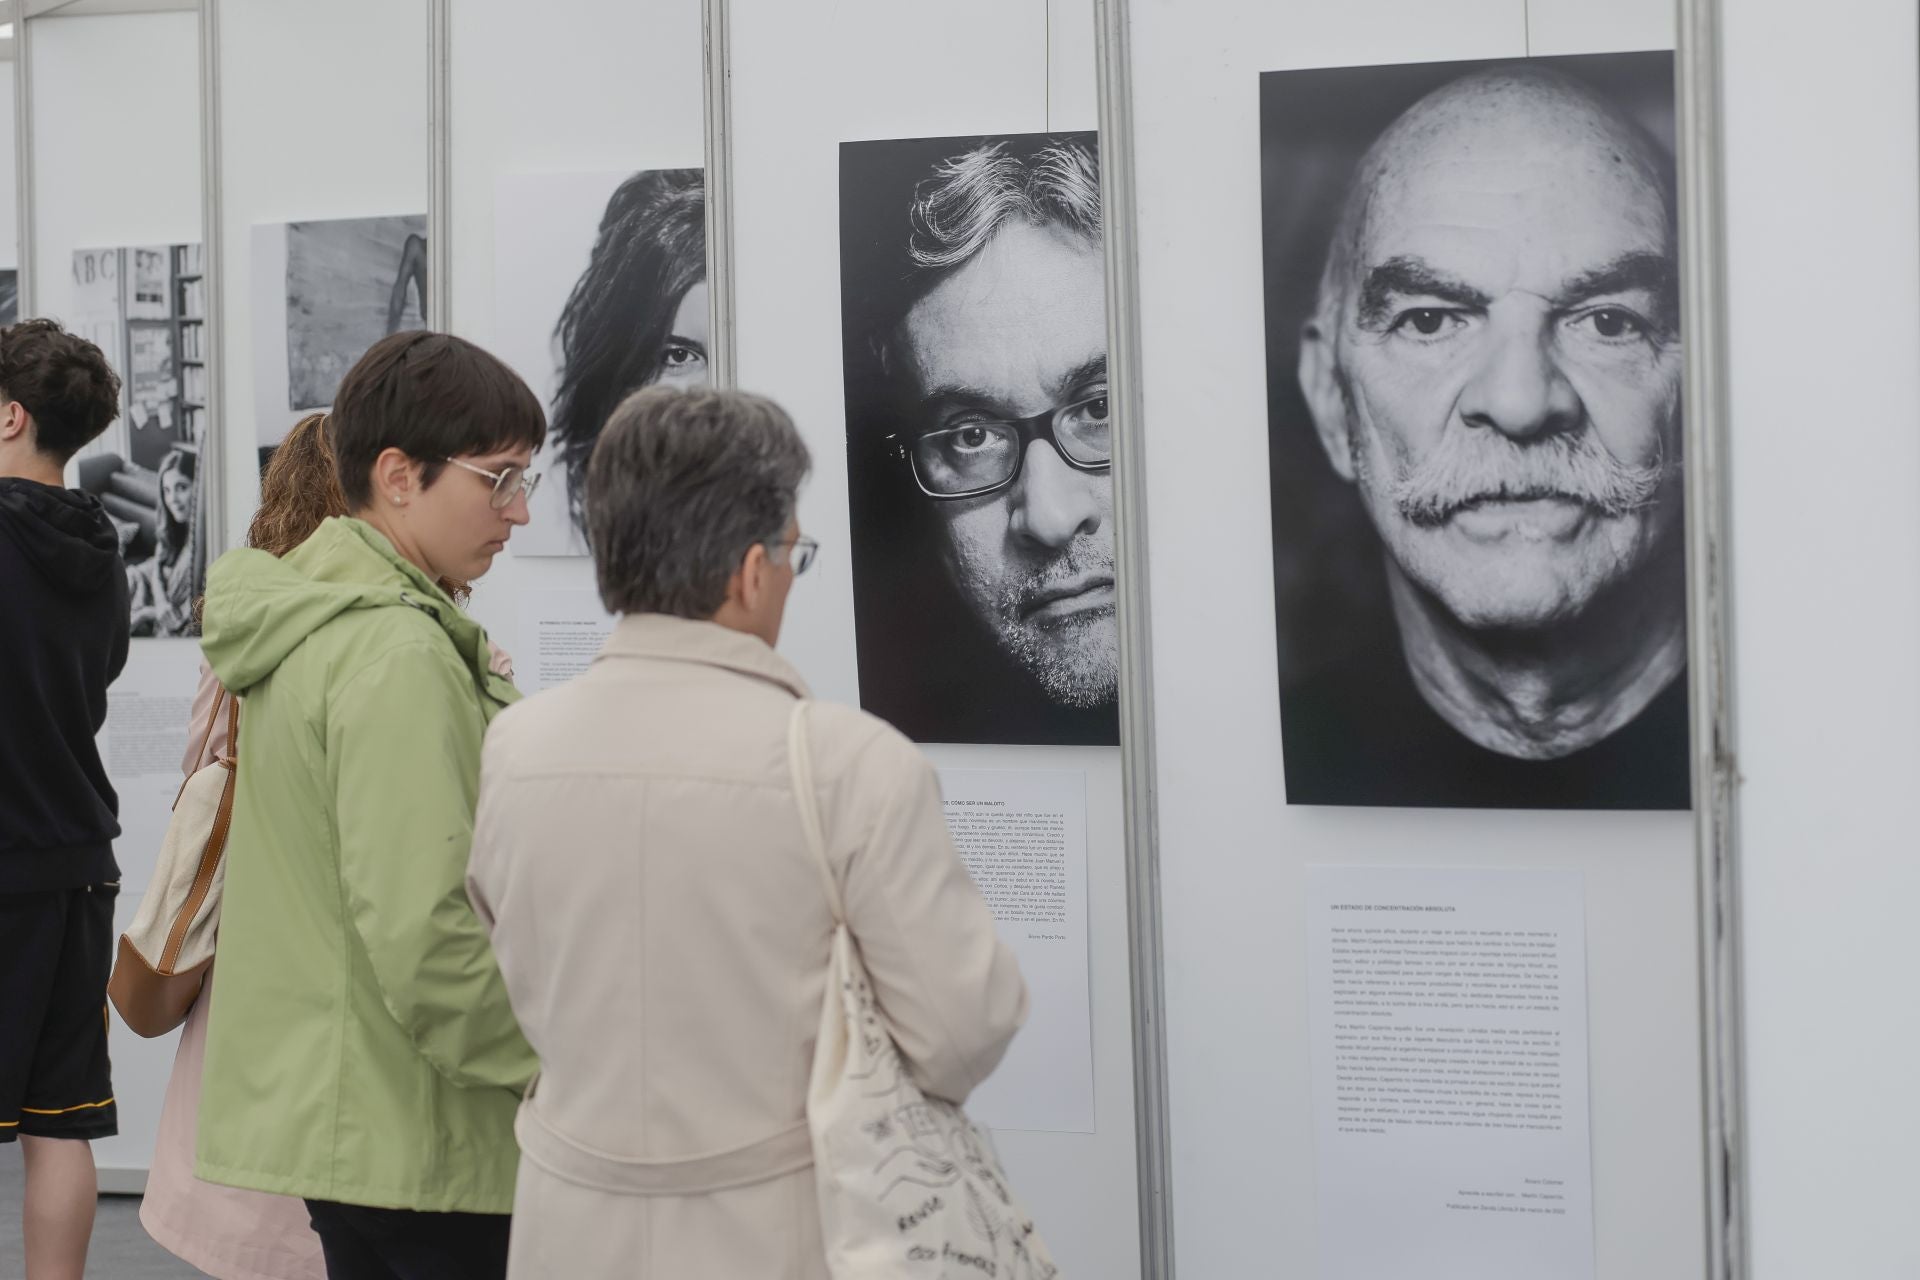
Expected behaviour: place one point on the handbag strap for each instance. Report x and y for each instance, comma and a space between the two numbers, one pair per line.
800, 762
206, 739
233, 730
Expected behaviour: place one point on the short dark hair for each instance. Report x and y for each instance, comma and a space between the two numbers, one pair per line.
64, 382
681, 485
612, 334
432, 396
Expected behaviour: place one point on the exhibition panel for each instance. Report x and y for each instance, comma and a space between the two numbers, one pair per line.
322, 174
10, 187
116, 254
1461, 979
574, 206
1822, 189
918, 279
1376, 887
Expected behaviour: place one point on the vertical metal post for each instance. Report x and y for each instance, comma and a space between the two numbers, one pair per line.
1710, 629
214, 442
439, 298
721, 355
1137, 745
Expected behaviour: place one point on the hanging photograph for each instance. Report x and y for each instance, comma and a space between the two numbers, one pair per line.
974, 341
9, 295
145, 308
600, 289
324, 291
1474, 397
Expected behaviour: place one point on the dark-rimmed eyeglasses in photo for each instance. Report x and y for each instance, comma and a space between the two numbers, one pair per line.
980, 456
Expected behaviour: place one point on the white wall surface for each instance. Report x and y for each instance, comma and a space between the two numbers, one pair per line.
1823, 248
116, 148
598, 88
890, 70
116, 139
323, 114
1232, 853
9, 173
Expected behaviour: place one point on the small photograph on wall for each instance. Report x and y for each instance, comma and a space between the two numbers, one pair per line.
600, 289
325, 291
1474, 398
9, 295
974, 340
145, 307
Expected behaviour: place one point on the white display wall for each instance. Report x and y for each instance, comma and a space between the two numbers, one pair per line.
620, 90
323, 114
904, 71
1823, 266
1233, 855
9, 173
124, 90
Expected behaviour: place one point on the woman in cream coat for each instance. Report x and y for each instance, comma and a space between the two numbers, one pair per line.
662, 931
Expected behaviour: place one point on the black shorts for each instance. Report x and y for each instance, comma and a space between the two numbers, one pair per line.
56, 949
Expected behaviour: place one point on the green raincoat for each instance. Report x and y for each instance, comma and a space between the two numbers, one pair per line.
360, 1046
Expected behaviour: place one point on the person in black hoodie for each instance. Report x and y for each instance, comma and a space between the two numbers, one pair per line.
63, 640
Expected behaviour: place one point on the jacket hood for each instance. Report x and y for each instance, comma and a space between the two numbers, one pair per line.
63, 533
260, 609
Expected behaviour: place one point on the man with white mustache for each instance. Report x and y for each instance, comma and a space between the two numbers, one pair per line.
1495, 365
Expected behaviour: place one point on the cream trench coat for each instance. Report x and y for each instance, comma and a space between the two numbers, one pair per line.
638, 860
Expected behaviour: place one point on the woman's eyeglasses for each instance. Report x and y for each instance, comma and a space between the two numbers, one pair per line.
800, 553
509, 480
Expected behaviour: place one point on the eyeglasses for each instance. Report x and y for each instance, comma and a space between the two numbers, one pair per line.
800, 553
510, 480
978, 457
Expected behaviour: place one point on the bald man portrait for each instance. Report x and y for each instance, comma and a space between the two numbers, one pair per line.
1475, 392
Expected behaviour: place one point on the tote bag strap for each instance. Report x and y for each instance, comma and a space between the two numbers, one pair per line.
800, 762
213, 721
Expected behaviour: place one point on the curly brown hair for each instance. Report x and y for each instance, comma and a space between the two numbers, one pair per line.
300, 489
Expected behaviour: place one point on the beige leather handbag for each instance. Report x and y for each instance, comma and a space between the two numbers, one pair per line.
909, 1187
165, 952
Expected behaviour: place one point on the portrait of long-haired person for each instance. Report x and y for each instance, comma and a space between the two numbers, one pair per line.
637, 315
163, 586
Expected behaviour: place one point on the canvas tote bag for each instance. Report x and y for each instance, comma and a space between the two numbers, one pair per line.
164, 953
909, 1188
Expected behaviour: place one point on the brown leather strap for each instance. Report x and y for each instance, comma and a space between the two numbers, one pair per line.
206, 740
233, 729
203, 875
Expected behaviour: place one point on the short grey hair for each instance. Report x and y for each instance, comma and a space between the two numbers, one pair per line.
680, 486
971, 196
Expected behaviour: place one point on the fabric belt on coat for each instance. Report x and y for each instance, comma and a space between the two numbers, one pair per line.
788, 1151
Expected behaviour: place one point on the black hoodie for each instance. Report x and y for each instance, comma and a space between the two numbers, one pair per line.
63, 640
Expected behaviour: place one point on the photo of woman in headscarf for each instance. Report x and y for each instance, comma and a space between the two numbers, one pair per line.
164, 585
600, 289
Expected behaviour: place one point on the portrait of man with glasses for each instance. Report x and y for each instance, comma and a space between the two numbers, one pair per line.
973, 297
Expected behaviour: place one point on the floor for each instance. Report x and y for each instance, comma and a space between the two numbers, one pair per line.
121, 1249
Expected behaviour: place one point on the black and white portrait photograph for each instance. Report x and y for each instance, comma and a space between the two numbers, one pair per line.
1474, 399
145, 308
324, 291
981, 503
600, 289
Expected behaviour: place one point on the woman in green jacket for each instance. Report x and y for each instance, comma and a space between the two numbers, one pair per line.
360, 1051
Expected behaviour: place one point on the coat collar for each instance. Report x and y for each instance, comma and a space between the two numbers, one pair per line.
662, 636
